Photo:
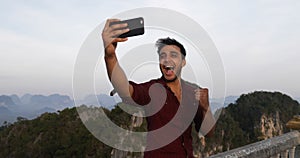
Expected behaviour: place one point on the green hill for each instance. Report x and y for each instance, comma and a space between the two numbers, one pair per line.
51, 135
253, 117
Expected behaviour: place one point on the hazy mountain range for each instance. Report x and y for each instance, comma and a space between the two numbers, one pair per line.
30, 106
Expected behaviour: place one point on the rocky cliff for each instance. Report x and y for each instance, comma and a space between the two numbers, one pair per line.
270, 126
253, 117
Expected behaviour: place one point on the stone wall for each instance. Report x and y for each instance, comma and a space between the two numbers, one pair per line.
264, 149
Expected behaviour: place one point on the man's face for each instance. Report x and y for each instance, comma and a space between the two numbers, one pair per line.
171, 62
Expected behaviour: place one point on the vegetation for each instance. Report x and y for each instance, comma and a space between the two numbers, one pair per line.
51, 135
238, 123
59, 134
62, 134
249, 108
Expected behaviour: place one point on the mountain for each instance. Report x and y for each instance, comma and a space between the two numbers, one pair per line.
25, 99
252, 107
102, 100
252, 117
6, 101
55, 101
16, 99
4, 110
30, 106
60, 101
6, 115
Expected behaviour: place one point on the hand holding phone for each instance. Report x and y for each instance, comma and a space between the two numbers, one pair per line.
136, 27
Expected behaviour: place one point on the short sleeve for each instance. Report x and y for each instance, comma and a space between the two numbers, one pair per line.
140, 94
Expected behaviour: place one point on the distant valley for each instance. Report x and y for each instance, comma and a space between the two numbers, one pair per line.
31, 106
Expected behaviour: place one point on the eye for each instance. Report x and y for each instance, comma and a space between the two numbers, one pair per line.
162, 55
174, 55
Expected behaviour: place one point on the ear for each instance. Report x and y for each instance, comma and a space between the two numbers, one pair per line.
183, 63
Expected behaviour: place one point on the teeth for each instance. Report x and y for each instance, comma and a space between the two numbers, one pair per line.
169, 67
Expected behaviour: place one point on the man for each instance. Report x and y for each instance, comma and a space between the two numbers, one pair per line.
179, 94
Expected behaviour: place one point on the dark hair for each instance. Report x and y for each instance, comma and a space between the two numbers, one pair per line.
160, 43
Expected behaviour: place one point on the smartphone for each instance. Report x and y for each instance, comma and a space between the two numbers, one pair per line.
136, 27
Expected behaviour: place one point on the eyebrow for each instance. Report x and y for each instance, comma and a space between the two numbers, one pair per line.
162, 53
174, 52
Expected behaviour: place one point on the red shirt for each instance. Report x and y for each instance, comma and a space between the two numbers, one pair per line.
163, 104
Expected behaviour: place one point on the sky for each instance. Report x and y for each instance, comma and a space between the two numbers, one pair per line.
257, 41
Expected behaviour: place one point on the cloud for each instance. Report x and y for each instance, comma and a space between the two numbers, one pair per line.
26, 60
257, 40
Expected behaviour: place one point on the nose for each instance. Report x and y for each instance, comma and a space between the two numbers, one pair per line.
167, 58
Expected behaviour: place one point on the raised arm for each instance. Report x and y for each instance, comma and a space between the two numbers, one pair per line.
115, 73
208, 122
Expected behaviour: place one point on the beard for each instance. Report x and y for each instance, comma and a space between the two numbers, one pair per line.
168, 81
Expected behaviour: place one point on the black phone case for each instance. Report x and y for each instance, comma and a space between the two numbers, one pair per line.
136, 27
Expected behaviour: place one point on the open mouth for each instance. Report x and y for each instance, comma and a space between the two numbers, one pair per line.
169, 69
